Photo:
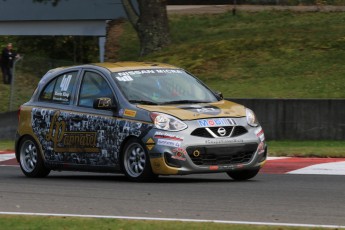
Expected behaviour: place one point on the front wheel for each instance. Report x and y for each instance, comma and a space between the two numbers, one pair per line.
136, 163
30, 159
243, 174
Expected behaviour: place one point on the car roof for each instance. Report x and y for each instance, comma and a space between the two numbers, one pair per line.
124, 66
121, 66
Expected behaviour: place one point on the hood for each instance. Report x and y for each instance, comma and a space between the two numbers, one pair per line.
199, 111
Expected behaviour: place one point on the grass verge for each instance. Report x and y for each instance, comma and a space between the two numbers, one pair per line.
256, 55
57, 223
6, 145
307, 148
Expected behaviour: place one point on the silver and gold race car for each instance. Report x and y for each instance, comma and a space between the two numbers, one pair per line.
141, 119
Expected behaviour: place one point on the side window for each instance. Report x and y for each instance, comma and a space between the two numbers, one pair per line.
59, 90
92, 87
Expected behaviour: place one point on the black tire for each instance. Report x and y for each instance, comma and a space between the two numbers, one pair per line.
30, 159
243, 174
136, 162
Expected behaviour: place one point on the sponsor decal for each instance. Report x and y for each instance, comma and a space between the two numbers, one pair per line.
223, 141
104, 102
60, 93
85, 139
179, 154
171, 143
65, 82
227, 167
216, 122
136, 72
168, 71
180, 150
163, 135
202, 109
127, 75
61, 96
260, 134
64, 141
150, 144
130, 113
124, 78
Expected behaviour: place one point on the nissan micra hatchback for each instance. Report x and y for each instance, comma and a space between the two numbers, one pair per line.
140, 119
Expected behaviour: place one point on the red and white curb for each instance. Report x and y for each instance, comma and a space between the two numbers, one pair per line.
301, 165
274, 165
7, 158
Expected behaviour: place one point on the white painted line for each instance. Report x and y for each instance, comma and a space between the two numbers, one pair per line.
175, 219
7, 156
333, 168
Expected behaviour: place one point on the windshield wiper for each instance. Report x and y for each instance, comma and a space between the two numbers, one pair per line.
184, 102
143, 102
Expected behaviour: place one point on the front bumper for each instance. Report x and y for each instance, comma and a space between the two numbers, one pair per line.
170, 164
182, 153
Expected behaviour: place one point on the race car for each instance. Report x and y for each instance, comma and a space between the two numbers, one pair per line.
142, 119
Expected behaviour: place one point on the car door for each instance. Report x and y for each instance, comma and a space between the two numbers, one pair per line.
47, 119
93, 139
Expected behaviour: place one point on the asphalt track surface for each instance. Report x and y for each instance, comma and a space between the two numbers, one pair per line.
269, 197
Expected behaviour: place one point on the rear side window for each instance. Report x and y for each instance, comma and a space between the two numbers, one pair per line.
59, 90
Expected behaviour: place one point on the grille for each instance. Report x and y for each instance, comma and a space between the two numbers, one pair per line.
212, 132
238, 131
222, 155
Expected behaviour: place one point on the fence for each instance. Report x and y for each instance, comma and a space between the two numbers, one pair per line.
28, 72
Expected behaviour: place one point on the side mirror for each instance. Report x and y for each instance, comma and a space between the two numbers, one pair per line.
219, 94
104, 103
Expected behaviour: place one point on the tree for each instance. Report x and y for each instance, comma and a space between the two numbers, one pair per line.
149, 19
150, 22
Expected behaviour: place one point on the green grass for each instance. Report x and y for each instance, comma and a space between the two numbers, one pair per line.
307, 148
57, 223
257, 55
25, 84
278, 148
6, 145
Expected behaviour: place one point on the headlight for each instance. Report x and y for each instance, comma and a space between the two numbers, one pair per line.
167, 122
251, 118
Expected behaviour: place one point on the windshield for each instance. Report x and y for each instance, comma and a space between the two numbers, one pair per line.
162, 86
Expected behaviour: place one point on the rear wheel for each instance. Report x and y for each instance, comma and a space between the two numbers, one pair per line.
243, 174
136, 163
30, 159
